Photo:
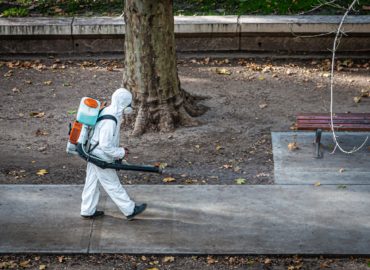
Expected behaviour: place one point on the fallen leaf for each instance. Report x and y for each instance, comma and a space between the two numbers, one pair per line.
72, 112
266, 69
168, 179
342, 186
357, 99
8, 265
16, 90
152, 268
162, 165
9, 73
197, 146
42, 267
60, 259
42, 148
58, 10
240, 181
293, 127
293, 146
168, 259
40, 132
290, 72
267, 261
219, 147
210, 260
325, 264
341, 170
143, 258
48, 82
25, 264
191, 181
365, 93
262, 106
37, 114
317, 184
227, 166
326, 75
223, 71
261, 78
28, 82
42, 172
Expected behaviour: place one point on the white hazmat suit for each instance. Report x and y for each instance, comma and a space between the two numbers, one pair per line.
107, 135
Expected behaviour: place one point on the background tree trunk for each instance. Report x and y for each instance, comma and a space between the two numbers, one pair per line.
150, 68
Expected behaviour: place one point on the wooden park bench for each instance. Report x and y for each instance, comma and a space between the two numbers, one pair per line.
342, 122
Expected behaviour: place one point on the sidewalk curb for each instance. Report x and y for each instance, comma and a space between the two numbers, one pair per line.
193, 34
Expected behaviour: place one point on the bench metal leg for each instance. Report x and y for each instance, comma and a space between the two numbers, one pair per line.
318, 143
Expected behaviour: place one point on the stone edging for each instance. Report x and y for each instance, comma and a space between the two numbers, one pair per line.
193, 33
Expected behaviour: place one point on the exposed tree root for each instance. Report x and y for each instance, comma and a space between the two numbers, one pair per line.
177, 111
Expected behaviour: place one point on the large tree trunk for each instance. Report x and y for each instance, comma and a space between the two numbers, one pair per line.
150, 68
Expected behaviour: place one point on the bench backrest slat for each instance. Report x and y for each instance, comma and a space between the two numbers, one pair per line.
342, 121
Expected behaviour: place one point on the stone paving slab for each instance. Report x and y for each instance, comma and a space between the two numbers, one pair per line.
212, 219
300, 166
38, 218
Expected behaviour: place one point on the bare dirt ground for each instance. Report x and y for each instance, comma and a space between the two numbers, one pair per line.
86, 262
39, 99
247, 99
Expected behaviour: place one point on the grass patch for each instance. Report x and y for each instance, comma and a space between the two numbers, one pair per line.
15, 12
181, 7
263, 7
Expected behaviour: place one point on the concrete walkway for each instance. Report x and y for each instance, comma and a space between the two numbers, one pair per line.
269, 219
300, 167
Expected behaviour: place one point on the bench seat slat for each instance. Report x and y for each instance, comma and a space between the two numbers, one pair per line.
339, 114
336, 116
336, 121
342, 121
348, 127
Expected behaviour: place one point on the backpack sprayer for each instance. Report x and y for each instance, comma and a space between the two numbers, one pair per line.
80, 134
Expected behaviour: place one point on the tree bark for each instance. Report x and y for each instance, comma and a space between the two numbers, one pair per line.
150, 68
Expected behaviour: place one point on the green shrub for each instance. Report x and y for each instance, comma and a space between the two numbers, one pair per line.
15, 12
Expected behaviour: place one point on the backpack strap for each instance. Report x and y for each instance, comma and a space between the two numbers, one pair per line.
101, 118
107, 117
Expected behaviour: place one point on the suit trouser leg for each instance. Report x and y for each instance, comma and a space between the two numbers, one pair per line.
109, 180
90, 194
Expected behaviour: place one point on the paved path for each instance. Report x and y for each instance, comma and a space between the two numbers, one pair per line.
268, 219
301, 168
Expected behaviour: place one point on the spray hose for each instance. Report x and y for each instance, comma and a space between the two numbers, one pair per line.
116, 165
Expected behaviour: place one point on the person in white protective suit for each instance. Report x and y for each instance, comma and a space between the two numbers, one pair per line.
106, 139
